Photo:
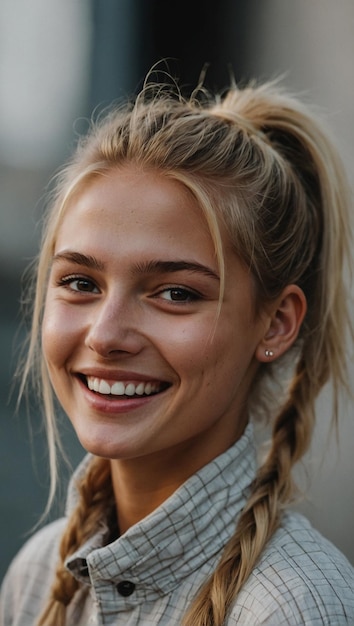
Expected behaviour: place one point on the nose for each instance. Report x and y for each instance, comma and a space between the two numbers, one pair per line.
113, 328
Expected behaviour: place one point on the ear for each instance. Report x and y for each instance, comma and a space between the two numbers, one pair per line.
284, 322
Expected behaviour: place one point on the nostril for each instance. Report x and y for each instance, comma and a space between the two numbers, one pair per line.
108, 342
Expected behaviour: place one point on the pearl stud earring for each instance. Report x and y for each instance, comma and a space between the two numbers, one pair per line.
269, 353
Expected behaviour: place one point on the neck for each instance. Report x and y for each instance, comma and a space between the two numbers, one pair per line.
141, 484
140, 487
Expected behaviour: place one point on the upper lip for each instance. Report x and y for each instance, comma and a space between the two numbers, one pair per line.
117, 375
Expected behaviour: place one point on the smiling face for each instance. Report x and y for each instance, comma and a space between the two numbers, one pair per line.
136, 354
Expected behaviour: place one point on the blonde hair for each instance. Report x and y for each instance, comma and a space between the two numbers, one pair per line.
256, 159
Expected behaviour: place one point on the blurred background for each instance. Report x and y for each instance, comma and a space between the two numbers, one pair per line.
59, 60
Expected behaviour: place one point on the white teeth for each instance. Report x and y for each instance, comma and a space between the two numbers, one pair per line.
119, 388
140, 389
104, 387
130, 389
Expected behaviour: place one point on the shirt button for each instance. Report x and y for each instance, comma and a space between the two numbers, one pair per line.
125, 588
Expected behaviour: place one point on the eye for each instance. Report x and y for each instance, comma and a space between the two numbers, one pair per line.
178, 294
78, 283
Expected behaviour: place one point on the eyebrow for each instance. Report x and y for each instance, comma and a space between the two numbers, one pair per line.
80, 259
145, 267
168, 267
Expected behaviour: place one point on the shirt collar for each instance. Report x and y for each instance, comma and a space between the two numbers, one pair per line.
180, 536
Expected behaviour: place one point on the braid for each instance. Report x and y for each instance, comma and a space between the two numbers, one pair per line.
271, 490
95, 490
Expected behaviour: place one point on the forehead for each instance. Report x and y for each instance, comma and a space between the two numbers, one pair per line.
142, 207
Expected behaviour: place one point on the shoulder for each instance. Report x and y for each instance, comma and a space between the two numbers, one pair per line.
30, 575
39, 552
300, 579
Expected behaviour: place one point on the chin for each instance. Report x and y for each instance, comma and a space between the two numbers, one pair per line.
107, 448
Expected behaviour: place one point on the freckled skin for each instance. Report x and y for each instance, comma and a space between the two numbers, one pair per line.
124, 320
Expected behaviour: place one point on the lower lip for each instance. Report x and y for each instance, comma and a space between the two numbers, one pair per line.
115, 404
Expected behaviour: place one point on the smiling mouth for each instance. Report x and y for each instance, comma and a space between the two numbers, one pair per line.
126, 389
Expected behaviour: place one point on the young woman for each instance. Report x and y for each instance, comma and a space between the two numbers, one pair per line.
190, 281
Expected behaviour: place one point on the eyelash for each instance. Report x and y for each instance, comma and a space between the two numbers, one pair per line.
189, 295
67, 281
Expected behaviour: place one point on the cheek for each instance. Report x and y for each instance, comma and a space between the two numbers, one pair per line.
59, 335
230, 353
194, 352
183, 343
52, 347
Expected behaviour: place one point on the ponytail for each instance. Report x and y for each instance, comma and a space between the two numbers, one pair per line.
283, 125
